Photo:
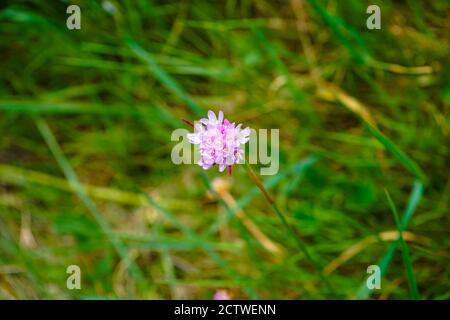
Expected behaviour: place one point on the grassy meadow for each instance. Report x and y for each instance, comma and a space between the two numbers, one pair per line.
86, 176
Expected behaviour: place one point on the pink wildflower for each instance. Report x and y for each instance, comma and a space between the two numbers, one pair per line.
221, 295
220, 141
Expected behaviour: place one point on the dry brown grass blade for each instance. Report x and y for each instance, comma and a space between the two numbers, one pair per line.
21, 176
332, 93
399, 69
361, 245
26, 237
220, 186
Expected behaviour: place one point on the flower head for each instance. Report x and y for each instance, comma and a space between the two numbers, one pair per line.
220, 141
221, 295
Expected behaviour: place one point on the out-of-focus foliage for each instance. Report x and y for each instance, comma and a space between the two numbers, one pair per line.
85, 171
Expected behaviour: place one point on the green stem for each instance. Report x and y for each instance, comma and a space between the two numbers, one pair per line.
405, 252
288, 227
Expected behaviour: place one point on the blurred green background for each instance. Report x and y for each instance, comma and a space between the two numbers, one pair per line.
85, 171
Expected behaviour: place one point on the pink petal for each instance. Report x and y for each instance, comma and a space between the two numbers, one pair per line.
199, 127
212, 116
246, 131
193, 138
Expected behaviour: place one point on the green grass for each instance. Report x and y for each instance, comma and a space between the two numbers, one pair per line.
405, 252
86, 177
